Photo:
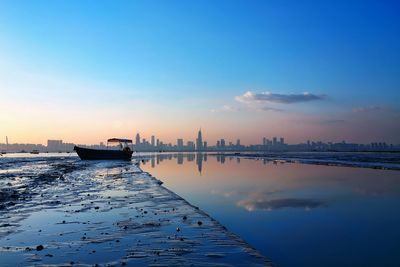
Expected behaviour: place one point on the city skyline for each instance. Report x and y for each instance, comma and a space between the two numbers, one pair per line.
154, 144
193, 139
327, 71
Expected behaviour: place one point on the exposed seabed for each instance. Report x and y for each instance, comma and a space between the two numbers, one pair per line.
63, 211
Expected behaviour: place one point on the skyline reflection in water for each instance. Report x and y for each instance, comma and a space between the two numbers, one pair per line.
295, 214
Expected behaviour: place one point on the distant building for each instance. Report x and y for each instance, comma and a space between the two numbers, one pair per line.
179, 143
190, 145
54, 145
153, 143
199, 141
137, 140
222, 143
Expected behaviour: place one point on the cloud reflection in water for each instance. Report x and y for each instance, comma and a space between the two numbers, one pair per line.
260, 204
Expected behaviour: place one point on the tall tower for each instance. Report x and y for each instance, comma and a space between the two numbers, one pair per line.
137, 139
199, 141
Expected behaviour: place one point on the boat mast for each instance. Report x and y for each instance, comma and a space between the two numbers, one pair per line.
6, 143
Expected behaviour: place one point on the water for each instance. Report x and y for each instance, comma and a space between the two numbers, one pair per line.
295, 214
57, 210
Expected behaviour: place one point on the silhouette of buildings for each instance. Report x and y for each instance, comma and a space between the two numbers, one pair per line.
54, 145
199, 141
137, 140
274, 144
180, 143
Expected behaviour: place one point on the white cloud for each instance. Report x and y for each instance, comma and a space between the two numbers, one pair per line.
226, 108
229, 108
251, 97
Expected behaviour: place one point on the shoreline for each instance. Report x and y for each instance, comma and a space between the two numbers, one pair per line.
340, 159
87, 213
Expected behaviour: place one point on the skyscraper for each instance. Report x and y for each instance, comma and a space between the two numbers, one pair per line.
179, 143
137, 139
222, 142
153, 142
199, 141
190, 145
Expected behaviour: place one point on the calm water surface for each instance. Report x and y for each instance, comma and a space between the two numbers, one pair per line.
295, 214
57, 210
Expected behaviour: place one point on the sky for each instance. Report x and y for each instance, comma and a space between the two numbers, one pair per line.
84, 71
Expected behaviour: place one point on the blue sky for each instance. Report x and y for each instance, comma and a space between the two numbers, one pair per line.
179, 65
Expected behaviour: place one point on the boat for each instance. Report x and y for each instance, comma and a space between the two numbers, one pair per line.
125, 153
35, 151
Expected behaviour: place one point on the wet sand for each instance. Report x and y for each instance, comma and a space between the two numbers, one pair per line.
63, 211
